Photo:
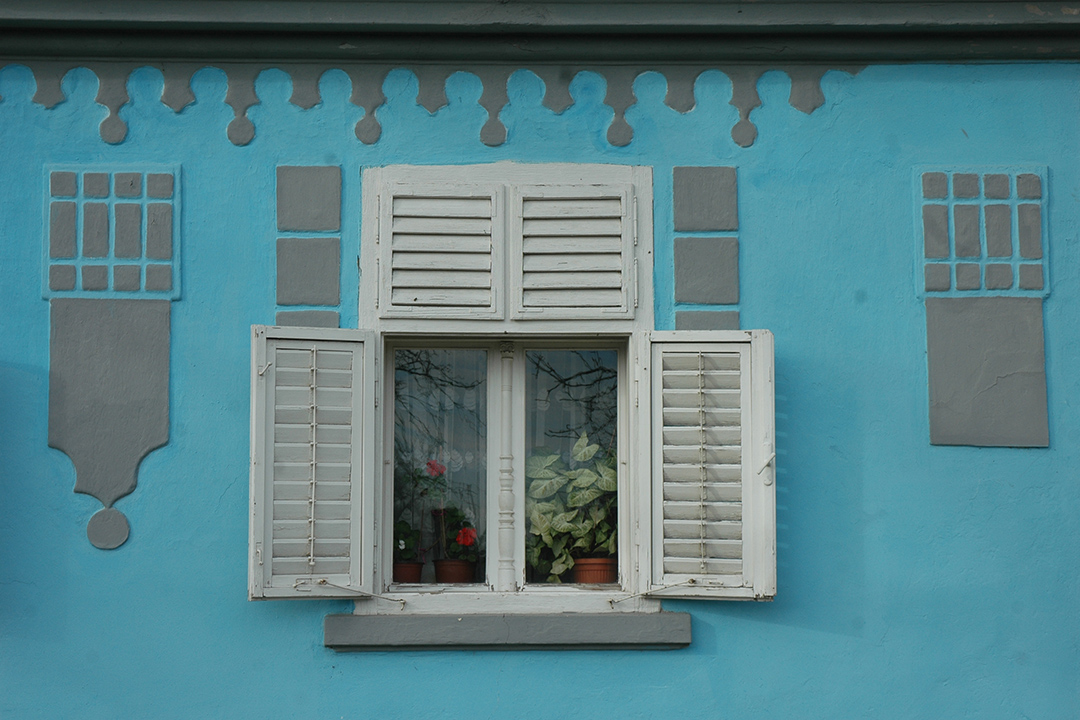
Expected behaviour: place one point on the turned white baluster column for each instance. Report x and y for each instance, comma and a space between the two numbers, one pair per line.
506, 581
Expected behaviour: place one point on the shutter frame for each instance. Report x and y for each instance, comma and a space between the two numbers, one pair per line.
356, 582
390, 256
757, 578
623, 259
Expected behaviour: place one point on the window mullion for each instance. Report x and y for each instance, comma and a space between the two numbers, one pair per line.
506, 578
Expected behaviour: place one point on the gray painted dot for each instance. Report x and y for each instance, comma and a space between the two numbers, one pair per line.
307, 318
96, 185
938, 277
62, 184
62, 277
935, 231
996, 187
1031, 277
127, 277
935, 186
108, 529
1028, 186
965, 185
95, 277
999, 276
967, 276
159, 185
159, 278
128, 184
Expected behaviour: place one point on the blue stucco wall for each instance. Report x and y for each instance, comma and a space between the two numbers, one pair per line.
914, 581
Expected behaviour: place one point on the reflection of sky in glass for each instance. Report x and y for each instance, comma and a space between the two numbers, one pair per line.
440, 415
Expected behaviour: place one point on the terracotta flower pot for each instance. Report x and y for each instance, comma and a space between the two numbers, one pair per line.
455, 571
596, 570
408, 572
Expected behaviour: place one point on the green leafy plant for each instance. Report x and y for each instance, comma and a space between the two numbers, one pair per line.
458, 537
407, 543
571, 507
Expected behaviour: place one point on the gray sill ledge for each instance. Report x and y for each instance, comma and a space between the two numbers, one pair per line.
661, 630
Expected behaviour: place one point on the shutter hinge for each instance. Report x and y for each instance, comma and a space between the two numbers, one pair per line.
378, 216
376, 393
378, 281
633, 205
258, 553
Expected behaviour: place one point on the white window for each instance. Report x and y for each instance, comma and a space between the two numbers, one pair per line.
507, 405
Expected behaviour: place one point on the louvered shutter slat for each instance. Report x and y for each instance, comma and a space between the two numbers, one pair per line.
307, 490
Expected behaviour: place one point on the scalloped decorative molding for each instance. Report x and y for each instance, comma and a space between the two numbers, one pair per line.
367, 83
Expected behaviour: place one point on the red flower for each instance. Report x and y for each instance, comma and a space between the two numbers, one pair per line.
435, 468
466, 536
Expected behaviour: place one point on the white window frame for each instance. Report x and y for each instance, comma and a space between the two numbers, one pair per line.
630, 329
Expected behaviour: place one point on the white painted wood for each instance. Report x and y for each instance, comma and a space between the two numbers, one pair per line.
312, 433
713, 516
573, 250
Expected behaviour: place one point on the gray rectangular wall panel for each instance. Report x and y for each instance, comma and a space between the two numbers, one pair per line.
95, 238
1030, 231
707, 320
128, 184
707, 270
935, 186
935, 231
938, 277
998, 230
159, 185
996, 186
563, 630
1031, 277
159, 223
308, 271
966, 229
128, 239
62, 184
95, 277
706, 199
965, 185
308, 318
309, 198
62, 277
159, 278
127, 278
1028, 187
62, 230
96, 185
987, 374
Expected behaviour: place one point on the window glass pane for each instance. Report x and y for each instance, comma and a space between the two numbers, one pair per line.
440, 464
571, 426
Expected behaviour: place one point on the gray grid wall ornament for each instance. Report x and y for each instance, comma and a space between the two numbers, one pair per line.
111, 266
982, 255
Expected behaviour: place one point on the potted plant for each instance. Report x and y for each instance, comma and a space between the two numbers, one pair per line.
572, 514
408, 555
459, 544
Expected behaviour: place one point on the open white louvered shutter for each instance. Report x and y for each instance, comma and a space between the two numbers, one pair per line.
311, 449
439, 250
714, 519
573, 250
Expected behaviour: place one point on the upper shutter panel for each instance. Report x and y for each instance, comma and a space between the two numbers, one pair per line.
308, 419
574, 251
439, 252
714, 519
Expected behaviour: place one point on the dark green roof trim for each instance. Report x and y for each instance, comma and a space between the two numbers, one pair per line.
483, 30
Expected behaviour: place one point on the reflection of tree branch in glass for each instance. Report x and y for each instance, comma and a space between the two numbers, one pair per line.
440, 443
